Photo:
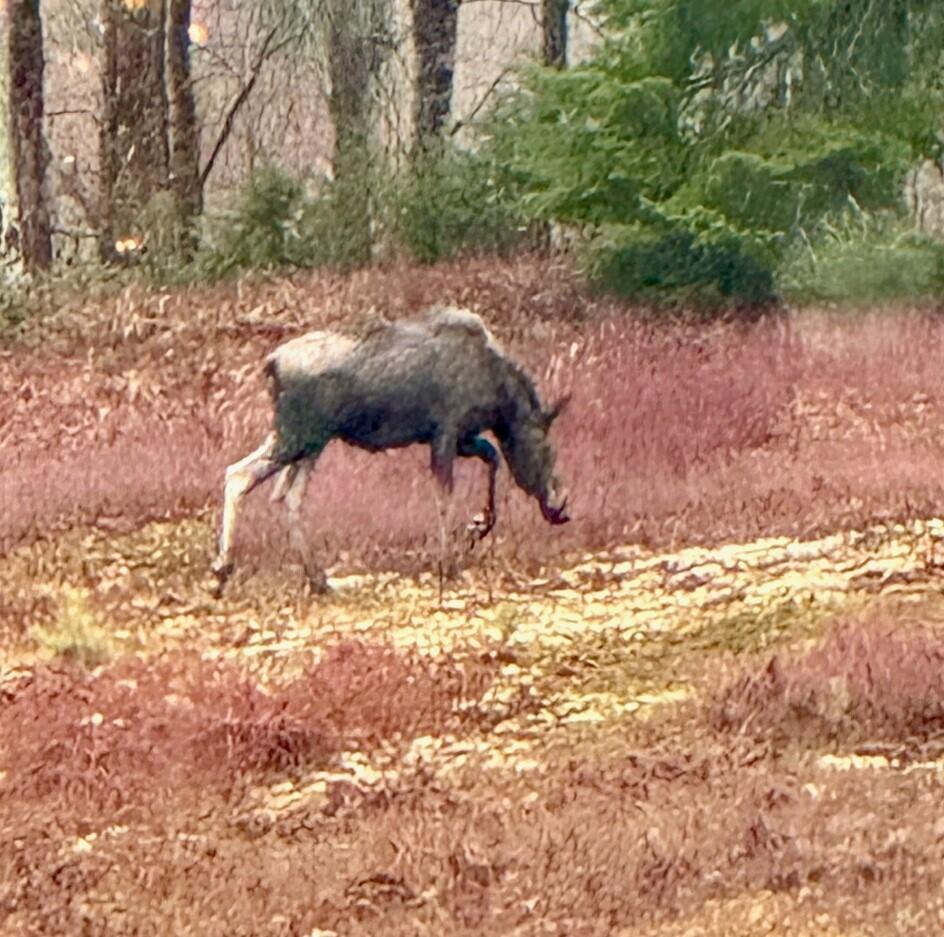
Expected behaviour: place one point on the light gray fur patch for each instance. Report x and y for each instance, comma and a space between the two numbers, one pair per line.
455, 317
310, 353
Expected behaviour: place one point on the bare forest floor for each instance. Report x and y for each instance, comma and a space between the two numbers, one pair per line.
712, 704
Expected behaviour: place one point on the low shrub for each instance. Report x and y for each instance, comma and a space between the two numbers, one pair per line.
262, 231
867, 681
94, 738
450, 201
682, 268
854, 262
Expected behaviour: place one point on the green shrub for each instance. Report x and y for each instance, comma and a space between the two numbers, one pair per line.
782, 190
450, 202
337, 224
679, 266
278, 221
446, 202
768, 124
262, 230
855, 262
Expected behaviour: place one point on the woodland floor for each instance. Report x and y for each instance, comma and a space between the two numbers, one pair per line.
712, 705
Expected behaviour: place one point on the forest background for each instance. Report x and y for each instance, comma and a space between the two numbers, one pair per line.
681, 153
712, 704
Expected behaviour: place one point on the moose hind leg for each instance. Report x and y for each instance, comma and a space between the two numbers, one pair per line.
475, 447
284, 482
442, 453
241, 478
293, 495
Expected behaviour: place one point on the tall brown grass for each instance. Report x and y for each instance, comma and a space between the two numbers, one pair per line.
869, 682
99, 741
596, 839
130, 410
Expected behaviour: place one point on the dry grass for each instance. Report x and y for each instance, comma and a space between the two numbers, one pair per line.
128, 410
128, 810
869, 684
99, 741
183, 793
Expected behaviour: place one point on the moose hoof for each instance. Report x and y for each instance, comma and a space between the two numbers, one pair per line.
479, 528
221, 572
316, 582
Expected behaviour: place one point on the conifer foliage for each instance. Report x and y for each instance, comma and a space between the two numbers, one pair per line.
701, 143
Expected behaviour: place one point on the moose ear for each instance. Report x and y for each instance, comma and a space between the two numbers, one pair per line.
551, 415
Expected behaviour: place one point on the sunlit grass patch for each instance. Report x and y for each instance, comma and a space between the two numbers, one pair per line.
669, 663
759, 628
78, 633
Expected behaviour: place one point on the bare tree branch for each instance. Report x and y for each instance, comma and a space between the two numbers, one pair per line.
265, 53
66, 112
578, 13
488, 93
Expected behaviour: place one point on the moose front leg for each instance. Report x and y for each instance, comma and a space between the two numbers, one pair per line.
478, 448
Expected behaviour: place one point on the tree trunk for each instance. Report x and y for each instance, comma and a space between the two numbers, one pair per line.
133, 141
184, 130
435, 24
355, 55
29, 152
554, 32
9, 230
554, 55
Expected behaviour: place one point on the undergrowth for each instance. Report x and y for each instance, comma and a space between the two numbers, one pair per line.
86, 737
868, 681
128, 410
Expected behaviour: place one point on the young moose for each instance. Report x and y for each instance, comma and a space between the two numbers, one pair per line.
439, 379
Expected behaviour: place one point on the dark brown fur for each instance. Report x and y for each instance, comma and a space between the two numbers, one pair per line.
439, 379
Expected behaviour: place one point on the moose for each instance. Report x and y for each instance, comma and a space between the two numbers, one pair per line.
439, 378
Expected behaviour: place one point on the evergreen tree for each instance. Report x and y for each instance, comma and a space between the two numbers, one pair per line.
701, 140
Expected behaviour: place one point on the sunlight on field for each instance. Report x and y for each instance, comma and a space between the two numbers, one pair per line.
711, 705
625, 621
877, 763
764, 912
77, 634
624, 602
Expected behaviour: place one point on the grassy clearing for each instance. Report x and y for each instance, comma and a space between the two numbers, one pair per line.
686, 713
127, 412
77, 634
377, 792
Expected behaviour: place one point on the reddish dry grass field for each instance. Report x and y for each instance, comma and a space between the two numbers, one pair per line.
191, 790
128, 410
